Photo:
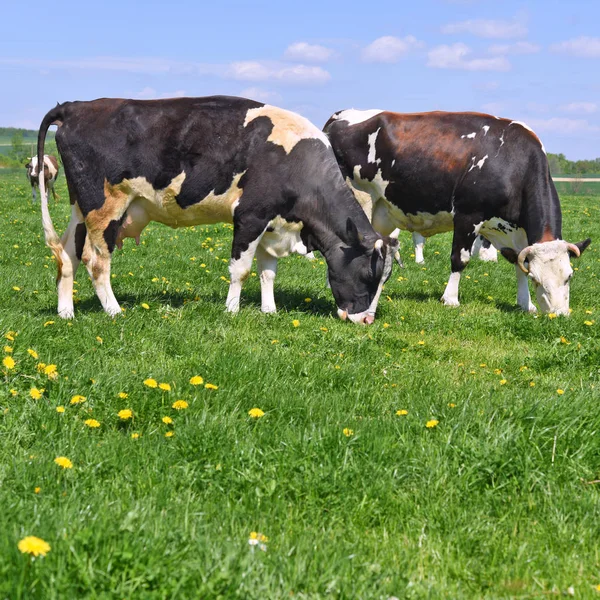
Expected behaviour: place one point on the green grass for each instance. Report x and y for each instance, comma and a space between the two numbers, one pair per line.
494, 502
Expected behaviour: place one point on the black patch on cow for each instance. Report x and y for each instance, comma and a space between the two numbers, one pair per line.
111, 232
80, 233
510, 255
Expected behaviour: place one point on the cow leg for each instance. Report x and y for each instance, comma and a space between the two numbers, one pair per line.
33, 194
72, 241
523, 297
487, 252
54, 194
246, 238
419, 244
267, 269
462, 242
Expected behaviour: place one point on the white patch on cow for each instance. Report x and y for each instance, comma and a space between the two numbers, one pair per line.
284, 239
450, 297
239, 269
372, 158
70, 263
376, 188
266, 265
489, 254
353, 116
550, 270
387, 217
525, 126
502, 234
419, 244
469, 136
465, 256
288, 128
393, 163
485, 128
478, 164
523, 296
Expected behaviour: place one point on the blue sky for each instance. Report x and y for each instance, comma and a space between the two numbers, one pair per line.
535, 61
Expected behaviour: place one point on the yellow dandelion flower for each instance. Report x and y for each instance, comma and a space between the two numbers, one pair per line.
498, 371
169, 434
37, 490
8, 349
348, 432
151, 383
33, 545
135, 436
10, 336
196, 380
78, 399
49, 369
35, 393
483, 365
145, 306
32, 353
402, 413
532, 384
552, 315
588, 323
9, 362
523, 368
14, 393
123, 395
92, 423
563, 340
16, 288
48, 323
40, 367
64, 462
211, 386
99, 339
560, 392
324, 329
256, 413
60, 409
307, 300
503, 382
451, 405
296, 323
125, 414
431, 423
421, 342
180, 405
167, 420
165, 387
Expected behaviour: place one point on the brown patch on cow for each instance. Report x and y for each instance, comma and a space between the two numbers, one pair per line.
116, 199
547, 236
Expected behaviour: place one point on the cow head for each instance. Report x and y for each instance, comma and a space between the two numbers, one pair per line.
31, 166
549, 267
357, 272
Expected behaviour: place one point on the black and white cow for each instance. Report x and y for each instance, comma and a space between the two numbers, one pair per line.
51, 169
473, 173
482, 248
191, 161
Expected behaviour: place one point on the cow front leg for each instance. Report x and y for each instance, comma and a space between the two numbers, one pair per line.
54, 194
267, 269
462, 242
523, 296
246, 238
419, 244
33, 194
72, 241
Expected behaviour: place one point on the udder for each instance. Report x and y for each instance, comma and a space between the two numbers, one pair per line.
135, 220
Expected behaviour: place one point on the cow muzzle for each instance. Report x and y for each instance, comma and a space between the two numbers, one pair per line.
363, 318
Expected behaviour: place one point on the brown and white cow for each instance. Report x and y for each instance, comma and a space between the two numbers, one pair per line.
472, 173
51, 169
190, 161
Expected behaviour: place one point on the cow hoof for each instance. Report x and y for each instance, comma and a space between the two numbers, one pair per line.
532, 309
449, 301
268, 310
233, 308
420, 262
113, 311
66, 313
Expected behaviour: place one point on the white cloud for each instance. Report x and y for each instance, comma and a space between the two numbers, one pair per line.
564, 126
581, 107
302, 51
586, 47
456, 56
516, 48
261, 95
262, 71
390, 49
488, 28
149, 93
239, 71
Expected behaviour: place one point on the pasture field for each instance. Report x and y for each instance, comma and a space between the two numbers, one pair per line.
497, 498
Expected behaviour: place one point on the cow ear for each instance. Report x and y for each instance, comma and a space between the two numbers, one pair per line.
582, 246
510, 255
355, 239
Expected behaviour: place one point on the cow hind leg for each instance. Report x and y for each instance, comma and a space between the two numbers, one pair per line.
72, 242
419, 244
462, 242
267, 269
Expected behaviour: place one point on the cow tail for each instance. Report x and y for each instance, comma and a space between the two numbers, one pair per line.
54, 117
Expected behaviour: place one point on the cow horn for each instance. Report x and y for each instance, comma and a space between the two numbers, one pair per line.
394, 235
521, 259
574, 249
378, 246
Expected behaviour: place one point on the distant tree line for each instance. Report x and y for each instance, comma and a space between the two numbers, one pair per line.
22, 146
560, 165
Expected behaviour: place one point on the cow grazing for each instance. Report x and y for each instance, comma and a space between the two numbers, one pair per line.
191, 161
51, 169
470, 172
